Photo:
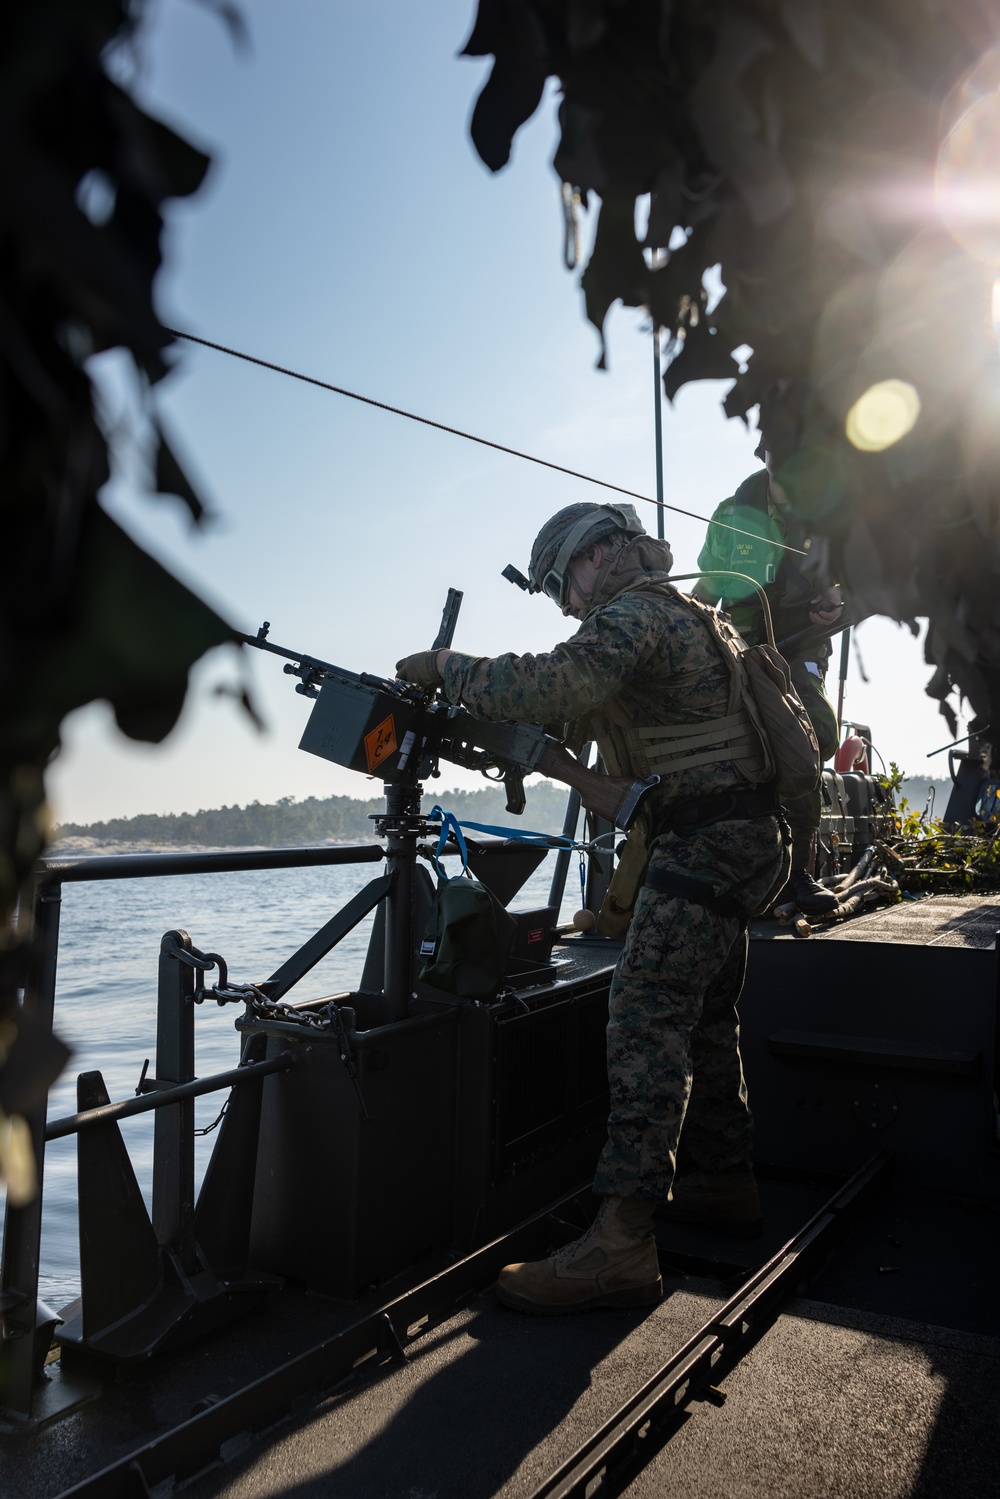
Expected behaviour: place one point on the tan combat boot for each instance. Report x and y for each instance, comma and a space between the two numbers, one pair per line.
611, 1265
727, 1201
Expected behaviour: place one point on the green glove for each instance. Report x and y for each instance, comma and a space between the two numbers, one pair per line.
420, 668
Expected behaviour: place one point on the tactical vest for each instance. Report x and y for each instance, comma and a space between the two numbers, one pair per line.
765, 736
735, 737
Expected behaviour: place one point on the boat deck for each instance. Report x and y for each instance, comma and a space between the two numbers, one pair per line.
881, 1379
841, 1397
958, 920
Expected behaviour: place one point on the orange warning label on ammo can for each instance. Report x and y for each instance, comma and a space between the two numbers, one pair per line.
380, 742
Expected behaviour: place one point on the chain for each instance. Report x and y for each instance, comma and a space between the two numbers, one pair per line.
254, 997
326, 1018
215, 1122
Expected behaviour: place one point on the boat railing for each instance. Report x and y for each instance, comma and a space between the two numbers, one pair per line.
170, 1093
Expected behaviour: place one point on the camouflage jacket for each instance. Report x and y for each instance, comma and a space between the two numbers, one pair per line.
640, 660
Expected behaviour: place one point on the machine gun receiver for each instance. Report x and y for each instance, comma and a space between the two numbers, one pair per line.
393, 730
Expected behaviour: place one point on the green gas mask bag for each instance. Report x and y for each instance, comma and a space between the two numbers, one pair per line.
461, 947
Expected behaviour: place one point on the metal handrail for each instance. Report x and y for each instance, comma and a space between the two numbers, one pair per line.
127, 1108
143, 866
19, 1261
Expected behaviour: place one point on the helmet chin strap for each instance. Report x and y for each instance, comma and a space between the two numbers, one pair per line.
610, 561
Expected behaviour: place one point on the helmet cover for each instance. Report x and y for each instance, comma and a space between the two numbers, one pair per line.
569, 532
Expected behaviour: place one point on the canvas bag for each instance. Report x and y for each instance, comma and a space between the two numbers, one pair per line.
765, 684
790, 735
461, 946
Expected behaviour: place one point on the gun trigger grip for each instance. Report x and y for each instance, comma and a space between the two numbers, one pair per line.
513, 784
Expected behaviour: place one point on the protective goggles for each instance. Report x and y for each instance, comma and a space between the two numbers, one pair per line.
556, 585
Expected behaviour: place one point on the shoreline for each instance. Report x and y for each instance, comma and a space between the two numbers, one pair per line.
77, 846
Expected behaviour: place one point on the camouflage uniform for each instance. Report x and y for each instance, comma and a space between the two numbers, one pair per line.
643, 658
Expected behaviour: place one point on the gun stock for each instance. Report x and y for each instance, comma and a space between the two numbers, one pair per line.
517, 749
615, 798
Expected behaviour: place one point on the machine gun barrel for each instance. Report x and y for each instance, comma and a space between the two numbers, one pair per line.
260, 642
311, 669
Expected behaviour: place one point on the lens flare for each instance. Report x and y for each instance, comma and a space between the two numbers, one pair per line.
967, 181
884, 414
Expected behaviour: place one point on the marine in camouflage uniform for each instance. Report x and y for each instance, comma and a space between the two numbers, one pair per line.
644, 660
647, 659
761, 556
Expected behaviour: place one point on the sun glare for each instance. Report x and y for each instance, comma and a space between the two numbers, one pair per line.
884, 414
968, 180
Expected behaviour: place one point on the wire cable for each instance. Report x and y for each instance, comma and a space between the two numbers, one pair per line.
485, 442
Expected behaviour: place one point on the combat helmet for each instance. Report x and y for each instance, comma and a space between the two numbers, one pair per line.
567, 533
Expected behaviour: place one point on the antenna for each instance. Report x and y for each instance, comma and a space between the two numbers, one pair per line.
658, 427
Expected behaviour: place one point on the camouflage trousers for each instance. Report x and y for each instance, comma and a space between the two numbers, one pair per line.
674, 1064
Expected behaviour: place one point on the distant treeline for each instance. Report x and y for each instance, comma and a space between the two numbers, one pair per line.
314, 820
345, 818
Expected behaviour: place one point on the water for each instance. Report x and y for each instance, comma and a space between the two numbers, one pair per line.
106, 998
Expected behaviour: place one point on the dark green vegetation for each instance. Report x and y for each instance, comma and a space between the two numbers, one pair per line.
84, 612
346, 818
838, 161
315, 820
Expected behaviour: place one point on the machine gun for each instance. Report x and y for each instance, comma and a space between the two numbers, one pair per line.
400, 733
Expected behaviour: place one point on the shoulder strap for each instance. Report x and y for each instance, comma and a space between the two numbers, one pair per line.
710, 615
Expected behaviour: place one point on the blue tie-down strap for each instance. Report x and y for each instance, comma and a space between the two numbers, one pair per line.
451, 824
450, 827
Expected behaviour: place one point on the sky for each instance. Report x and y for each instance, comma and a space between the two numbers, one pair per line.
348, 230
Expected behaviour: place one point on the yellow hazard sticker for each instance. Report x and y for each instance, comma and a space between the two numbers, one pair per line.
380, 742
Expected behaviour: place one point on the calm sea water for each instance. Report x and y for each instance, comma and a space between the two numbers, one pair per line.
106, 998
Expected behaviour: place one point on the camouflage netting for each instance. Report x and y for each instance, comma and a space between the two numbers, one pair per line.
85, 613
840, 163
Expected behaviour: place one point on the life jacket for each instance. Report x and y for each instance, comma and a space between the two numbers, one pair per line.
788, 590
